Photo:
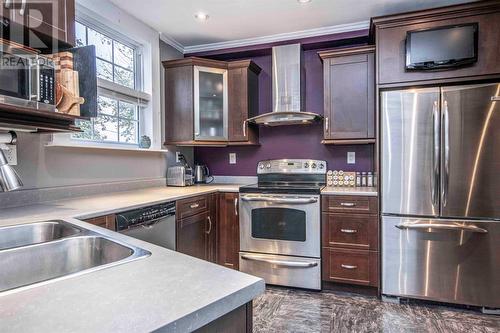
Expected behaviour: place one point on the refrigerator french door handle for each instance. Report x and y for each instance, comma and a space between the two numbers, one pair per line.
437, 152
446, 177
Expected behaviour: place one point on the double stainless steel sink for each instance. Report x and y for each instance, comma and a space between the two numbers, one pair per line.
36, 253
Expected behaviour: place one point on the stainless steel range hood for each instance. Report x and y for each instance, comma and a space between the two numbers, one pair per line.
288, 90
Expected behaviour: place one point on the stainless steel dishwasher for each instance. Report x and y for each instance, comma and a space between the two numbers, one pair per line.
153, 224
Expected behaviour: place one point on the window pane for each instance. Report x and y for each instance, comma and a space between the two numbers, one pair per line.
103, 44
128, 131
124, 56
107, 106
81, 37
104, 70
124, 77
128, 110
106, 128
86, 127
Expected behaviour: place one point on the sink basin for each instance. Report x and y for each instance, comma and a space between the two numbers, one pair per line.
29, 265
35, 233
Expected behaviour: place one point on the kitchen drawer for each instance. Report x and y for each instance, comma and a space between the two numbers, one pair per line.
350, 230
191, 206
350, 266
350, 204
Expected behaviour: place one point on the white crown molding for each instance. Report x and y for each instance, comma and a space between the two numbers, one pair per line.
334, 29
172, 42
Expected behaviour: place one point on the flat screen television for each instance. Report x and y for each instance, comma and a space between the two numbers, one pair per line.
444, 47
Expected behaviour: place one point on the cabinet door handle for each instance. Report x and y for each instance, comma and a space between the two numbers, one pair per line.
495, 98
347, 204
195, 205
348, 231
209, 225
327, 125
349, 266
236, 206
245, 128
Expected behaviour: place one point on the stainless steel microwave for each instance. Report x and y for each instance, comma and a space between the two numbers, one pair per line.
27, 79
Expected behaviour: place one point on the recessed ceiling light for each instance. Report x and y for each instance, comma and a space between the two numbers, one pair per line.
304, 1
201, 16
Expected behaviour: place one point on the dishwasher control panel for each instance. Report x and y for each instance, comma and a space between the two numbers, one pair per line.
146, 215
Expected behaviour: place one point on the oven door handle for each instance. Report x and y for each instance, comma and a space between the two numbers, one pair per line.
284, 263
281, 200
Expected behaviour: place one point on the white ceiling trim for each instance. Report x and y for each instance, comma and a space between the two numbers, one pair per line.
172, 42
334, 29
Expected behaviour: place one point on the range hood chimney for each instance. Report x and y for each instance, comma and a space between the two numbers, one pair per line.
288, 90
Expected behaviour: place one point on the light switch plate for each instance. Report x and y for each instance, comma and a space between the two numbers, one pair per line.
351, 157
11, 154
232, 158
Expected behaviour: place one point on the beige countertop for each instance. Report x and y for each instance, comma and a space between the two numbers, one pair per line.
167, 291
366, 191
108, 203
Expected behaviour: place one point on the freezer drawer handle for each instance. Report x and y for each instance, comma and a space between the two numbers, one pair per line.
458, 227
347, 204
284, 263
348, 231
349, 266
280, 201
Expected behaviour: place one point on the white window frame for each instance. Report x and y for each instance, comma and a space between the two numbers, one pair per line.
111, 89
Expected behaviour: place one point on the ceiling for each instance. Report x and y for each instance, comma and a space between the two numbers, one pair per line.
236, 20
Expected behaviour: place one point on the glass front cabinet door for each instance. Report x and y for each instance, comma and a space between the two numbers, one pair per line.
210, 104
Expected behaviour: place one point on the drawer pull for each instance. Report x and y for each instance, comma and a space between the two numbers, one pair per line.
347, 204
349, 231
195, 205
348, 266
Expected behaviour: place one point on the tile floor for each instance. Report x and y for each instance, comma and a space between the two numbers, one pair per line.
292, 310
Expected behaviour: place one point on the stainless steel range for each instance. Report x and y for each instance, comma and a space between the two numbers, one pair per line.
280, 223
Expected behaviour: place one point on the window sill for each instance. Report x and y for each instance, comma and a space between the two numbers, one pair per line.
103, 147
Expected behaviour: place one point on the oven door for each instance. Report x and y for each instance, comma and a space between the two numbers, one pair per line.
280, 224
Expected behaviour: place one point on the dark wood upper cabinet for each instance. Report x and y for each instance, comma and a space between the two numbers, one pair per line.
208, 101
228, 231
48, 25
349, 95
389, 35
243, 94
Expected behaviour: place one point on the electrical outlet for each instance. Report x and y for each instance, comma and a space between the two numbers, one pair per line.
232, 158
351, 157
11, 154
177, 160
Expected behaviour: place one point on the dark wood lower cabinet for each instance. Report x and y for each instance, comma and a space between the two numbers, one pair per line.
350, 266
228, 231
107, 221
196, 234
237, 321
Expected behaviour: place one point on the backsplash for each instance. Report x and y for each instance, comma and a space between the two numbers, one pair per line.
287, 141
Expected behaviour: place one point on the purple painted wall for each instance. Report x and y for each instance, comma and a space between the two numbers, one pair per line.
286, 141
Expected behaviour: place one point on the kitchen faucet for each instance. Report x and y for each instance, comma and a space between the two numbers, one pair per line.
9, 179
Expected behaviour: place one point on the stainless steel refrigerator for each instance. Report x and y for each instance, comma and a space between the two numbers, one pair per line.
440, 172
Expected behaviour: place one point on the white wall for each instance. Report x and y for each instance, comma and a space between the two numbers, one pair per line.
42, 167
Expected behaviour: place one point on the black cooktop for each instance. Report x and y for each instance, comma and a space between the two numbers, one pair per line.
283, 188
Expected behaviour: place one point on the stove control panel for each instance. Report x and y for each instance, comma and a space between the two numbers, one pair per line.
288, 166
